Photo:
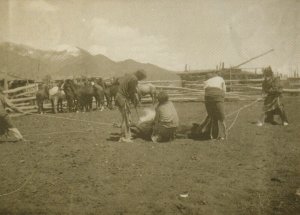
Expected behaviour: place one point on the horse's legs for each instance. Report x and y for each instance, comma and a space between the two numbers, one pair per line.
71, 104
39, 106
42, 106
97, 103
111, 103
108, 101
53, 106
89, 105
113, 99
102, 104
59, 105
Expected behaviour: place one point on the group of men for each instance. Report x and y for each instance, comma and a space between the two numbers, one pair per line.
162, 127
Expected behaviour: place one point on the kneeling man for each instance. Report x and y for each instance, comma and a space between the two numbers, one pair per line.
166, 119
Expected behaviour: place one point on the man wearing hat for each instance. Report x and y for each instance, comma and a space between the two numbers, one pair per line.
6, 125
272, 93
128, 92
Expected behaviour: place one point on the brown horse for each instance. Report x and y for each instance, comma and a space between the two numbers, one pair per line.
42, 95
110, 91
99, 96
79, 96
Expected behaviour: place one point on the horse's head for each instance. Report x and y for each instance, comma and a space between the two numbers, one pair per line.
68, 87
43, 86
115, 81
101, 83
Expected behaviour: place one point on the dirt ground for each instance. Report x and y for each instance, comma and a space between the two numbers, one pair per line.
71, 167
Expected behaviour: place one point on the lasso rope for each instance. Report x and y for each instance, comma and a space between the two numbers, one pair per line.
103, 123
56, 117
23, 184
238, 112
18, 189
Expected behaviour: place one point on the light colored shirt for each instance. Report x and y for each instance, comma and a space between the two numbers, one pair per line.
215, 82
166, 115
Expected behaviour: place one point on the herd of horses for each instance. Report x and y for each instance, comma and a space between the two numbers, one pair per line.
79, 94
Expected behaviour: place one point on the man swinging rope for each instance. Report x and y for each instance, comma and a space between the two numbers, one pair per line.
6, 126
128, 92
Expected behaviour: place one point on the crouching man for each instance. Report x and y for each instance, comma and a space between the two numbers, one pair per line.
6, 126
166, 120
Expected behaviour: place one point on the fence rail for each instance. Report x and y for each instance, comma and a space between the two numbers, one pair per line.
23, 97
178, 90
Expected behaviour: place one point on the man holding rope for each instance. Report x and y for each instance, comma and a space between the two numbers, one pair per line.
215, 90
128, 92
272, 93
6, 125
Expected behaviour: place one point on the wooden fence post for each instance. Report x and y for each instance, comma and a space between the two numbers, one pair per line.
5, 86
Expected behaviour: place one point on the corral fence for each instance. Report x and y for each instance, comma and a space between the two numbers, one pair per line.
182, 90
179, 90
23, 97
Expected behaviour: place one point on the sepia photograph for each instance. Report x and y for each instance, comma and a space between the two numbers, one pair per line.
139, 107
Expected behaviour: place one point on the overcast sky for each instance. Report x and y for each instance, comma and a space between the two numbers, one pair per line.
169, 33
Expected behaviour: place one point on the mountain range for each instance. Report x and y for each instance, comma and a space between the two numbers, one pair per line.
24, 62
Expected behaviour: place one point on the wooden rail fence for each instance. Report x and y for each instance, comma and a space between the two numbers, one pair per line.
23, 97
178, 90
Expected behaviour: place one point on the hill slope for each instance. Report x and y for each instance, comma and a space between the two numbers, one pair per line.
68, 62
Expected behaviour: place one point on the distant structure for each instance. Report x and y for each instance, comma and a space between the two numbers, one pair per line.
226, 73
185, 68
232, 73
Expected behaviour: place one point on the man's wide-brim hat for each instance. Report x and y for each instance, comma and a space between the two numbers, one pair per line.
141, 74
268, 71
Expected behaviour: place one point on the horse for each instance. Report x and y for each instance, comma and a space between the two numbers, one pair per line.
41, 95
110, 92
55, 95
69, 89
99, 95
79, 96
146, 89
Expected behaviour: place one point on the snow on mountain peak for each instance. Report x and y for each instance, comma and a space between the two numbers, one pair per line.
72, 50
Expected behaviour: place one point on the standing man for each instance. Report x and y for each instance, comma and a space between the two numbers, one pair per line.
6, 125
128, 92
215, 90
272, 93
